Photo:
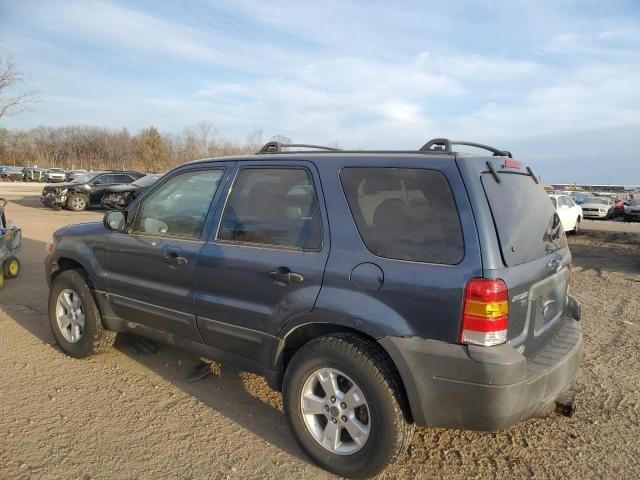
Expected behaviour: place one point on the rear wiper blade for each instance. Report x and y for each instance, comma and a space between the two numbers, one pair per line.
493, 172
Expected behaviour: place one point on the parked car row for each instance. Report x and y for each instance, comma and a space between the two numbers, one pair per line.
35, 174
106, 189
572, 207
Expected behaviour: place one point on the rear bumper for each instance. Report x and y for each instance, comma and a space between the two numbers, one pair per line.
484, 388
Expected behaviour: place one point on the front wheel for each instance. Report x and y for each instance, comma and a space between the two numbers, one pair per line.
77, 202
345, 405
74, 316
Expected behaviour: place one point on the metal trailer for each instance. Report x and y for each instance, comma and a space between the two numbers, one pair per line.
10, 243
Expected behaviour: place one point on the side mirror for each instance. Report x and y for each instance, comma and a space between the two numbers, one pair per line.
115, 220
98, 182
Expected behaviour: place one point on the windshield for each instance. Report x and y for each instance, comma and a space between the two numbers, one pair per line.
554, 201
598, 200
56, 170
146, 180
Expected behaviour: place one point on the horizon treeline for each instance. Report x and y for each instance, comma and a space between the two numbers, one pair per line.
96, 148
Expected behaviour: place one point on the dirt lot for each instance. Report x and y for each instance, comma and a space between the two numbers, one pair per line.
124, 415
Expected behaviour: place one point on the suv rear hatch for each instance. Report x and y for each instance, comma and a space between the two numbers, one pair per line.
534, 251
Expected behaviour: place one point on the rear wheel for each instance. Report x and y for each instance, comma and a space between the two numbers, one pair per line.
74, 316
576, 229
11, 267
345, 405
77, 202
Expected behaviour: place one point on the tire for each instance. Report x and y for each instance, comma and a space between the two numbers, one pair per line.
11, 268
364, 364
77, 202
576, 228
92, 338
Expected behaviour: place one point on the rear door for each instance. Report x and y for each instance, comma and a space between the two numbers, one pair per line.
566, 213
99, 185
535, 255
266, 261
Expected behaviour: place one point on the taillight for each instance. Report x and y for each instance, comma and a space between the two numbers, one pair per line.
485, 317
510, 163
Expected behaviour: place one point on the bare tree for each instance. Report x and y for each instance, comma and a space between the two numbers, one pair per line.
281, 139
10, 77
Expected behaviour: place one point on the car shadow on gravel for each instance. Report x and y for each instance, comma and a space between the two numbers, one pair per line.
244, 398
34, 202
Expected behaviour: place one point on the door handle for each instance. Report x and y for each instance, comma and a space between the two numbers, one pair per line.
175, 260
284, 275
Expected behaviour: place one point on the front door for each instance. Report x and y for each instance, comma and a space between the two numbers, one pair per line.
265, 263
151, 270
99, 185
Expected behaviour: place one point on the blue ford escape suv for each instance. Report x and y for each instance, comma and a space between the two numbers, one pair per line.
378, 290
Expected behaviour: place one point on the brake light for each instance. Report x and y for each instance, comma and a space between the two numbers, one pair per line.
485, 317
511, 163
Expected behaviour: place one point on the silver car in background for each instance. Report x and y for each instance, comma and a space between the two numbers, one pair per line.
598, 207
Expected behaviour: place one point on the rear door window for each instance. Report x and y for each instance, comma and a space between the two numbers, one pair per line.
405, 213
120, 178
527, 224
275, 207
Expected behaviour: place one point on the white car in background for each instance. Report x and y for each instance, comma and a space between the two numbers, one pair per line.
569, 212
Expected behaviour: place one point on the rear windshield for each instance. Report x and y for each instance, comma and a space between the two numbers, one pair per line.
404, 213
527, 223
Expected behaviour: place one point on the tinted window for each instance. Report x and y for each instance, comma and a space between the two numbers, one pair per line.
179, 207
273, 206
406, 214
104, 179
123, 178
528, 226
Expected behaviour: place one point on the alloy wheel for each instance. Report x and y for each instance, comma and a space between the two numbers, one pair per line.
335, 411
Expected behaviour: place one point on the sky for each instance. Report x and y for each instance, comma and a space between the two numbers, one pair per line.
555, 82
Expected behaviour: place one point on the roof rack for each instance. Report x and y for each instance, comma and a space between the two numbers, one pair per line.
444, 145
277, 147
437, 145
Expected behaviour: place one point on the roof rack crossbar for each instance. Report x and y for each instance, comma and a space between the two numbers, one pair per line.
277, 147
444, 145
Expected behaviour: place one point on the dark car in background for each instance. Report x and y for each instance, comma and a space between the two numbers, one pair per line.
11, 174
120, 196
85, 191
376, 290
632, 210
33, 174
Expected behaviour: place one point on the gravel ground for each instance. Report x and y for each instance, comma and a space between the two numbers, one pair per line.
124, 415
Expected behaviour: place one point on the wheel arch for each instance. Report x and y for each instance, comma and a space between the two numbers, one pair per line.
301, 335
